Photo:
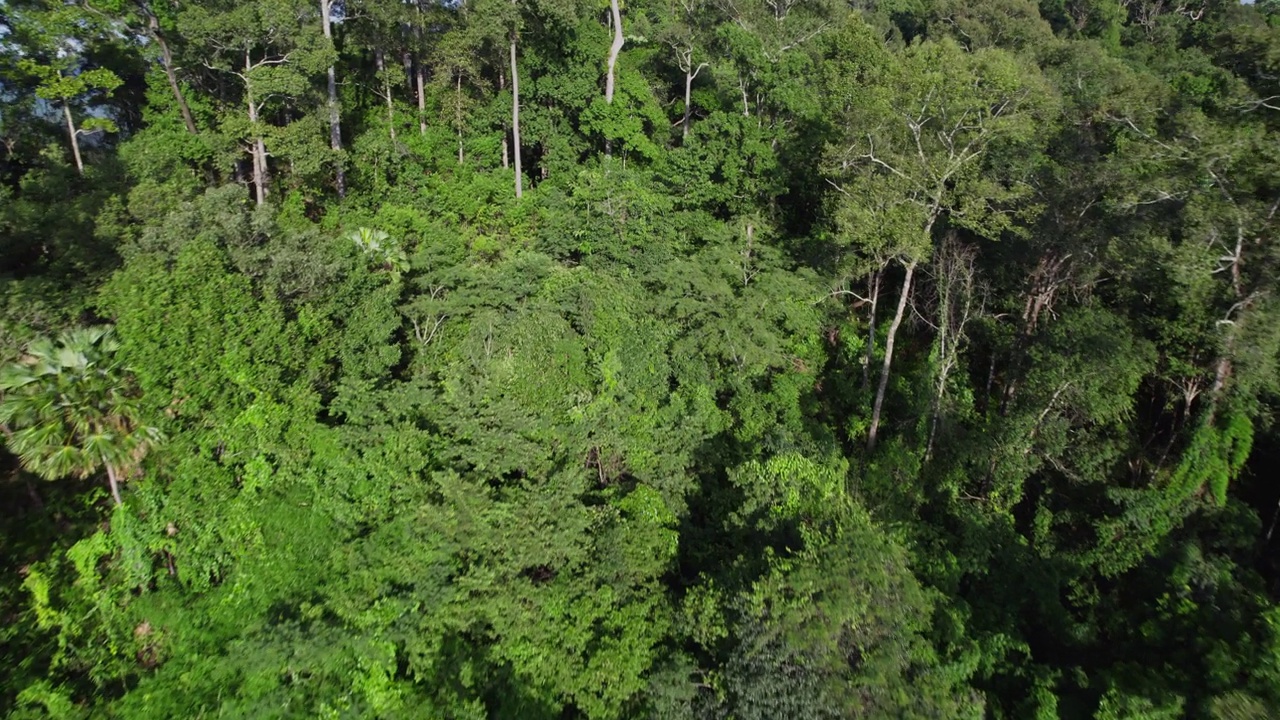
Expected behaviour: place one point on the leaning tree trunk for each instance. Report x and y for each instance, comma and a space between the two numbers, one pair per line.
113, 480
166, 61
515, 117
74, 135
888, 354
335, 116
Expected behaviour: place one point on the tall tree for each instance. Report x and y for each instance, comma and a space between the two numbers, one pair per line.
150, 21
54, 36
273, 49
912, 154
335, 111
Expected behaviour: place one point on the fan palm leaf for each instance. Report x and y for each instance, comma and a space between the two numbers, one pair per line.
69, 403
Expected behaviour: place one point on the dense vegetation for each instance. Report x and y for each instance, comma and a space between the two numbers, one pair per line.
735, 359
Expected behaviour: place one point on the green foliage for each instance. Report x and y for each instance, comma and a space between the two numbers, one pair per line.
382, 250
602, 451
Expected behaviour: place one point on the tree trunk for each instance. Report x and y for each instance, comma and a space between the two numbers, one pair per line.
166, 60
954, 282
258, 151
335, 117
73, 134
421, 75
871, 327
515, 117
614, 49
114, 481
506, 145
260, 176
888, 355
422, 100
944, 366
688, 97
386, 89
458, 116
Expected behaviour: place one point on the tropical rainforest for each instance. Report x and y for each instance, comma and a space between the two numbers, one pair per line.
604, 359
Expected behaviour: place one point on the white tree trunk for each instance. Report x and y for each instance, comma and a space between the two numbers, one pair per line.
335, 118
422, 100
515, 117
421, 75
614, 50
74, 135
888, 354
114, 481
259, 151
458, 116
506, 141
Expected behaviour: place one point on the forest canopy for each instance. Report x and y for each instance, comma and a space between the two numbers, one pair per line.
708, 359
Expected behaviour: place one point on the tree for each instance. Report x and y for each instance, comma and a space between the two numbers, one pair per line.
335, 113
141, 16
913, 151
273, 49
55, 36
68, 409
685, 26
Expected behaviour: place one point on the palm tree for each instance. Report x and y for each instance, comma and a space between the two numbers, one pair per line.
67, 409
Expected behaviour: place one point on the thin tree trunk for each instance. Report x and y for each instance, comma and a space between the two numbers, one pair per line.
73, 134
1221, 373
166, 60
506, 148
335, 117
944, 368
458, 116
421, 75
614, 49
888, 355
114, 482
954, 281
386, 88
422, 100
871, 327
688, 97
515, 117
